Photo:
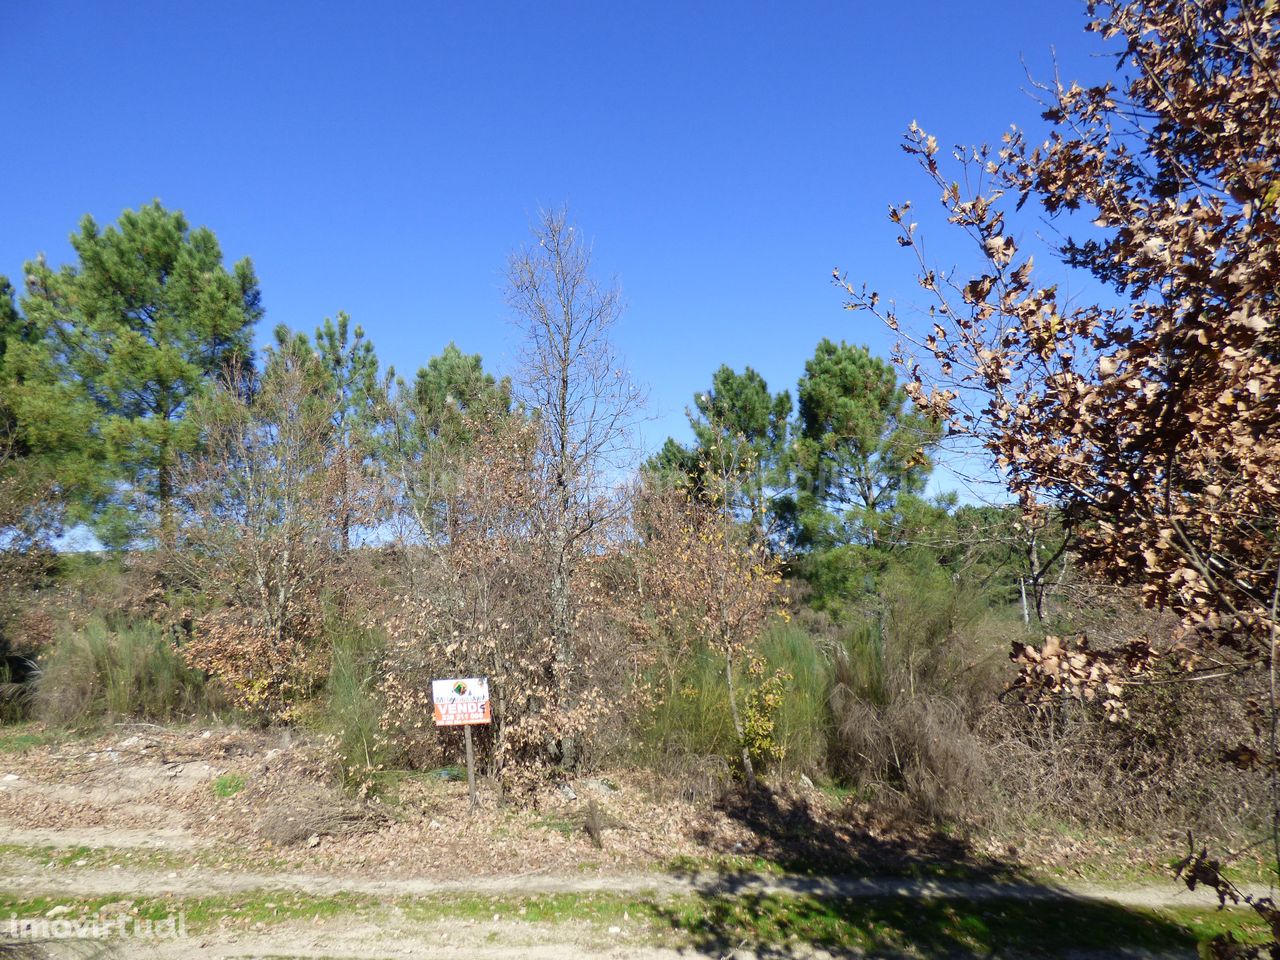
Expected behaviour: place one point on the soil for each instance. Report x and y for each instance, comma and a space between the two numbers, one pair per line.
226, 811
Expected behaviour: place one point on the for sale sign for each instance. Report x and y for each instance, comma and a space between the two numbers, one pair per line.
460, 701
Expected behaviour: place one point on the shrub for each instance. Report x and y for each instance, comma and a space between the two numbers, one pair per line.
15, 695
802, 719
351, 708
903, 701
131, 671
783, 691
690, 717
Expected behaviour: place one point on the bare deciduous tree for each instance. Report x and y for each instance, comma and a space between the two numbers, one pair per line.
572, 381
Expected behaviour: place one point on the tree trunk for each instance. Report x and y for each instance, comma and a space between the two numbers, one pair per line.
564, 656
747, 769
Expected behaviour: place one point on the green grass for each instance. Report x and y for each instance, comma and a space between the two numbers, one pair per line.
21, 737
559, 825
51, 856
228, 785
941, 927
202, 913
720, 923
103, 671
1118, 860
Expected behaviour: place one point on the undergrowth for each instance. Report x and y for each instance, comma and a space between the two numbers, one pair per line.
106, 672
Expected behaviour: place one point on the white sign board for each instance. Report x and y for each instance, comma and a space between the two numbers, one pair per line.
459, 701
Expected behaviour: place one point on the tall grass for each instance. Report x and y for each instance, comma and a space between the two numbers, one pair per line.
131, 671
804, 718
692, 718
351, 708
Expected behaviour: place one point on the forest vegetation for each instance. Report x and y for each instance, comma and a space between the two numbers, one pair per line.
298, 536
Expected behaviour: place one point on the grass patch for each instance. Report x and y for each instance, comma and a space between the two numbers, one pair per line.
228, 785
201, 913
900, 925
1115, 860
905, 868
21, 737
558, 825
718, 924
96, 857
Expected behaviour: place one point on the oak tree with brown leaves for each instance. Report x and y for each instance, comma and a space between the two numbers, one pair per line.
474, 602
1150, 417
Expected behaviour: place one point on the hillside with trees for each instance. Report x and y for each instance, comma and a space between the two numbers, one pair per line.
792, 637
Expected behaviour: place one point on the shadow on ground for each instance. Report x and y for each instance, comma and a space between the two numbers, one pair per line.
949, 899
798, 834
20, 949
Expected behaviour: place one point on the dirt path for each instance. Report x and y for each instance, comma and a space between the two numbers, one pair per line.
124, 838
133, 797
394, 936
30, 877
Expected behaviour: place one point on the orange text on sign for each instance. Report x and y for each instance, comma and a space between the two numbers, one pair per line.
461, 712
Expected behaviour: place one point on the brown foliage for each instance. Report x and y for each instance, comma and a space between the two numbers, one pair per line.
475, 602
1069, 666
1154, 422
29, 518
704, 578
263, 540
1150, 419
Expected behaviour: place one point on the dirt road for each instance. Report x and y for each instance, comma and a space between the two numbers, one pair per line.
30, 877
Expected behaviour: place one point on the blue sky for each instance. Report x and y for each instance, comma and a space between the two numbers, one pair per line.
385, 158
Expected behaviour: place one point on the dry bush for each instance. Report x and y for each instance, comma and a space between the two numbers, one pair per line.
1169, 765
1151, 760
908, 690
262, 673
475, 602
268, 505
313, 810
914, 752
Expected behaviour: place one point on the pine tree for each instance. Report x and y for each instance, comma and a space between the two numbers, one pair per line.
120, 344
737, 421
453, 389
860, 446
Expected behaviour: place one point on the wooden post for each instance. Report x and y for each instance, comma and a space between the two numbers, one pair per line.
471, 767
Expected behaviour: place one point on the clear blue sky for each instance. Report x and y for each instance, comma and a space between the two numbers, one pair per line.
384, 158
